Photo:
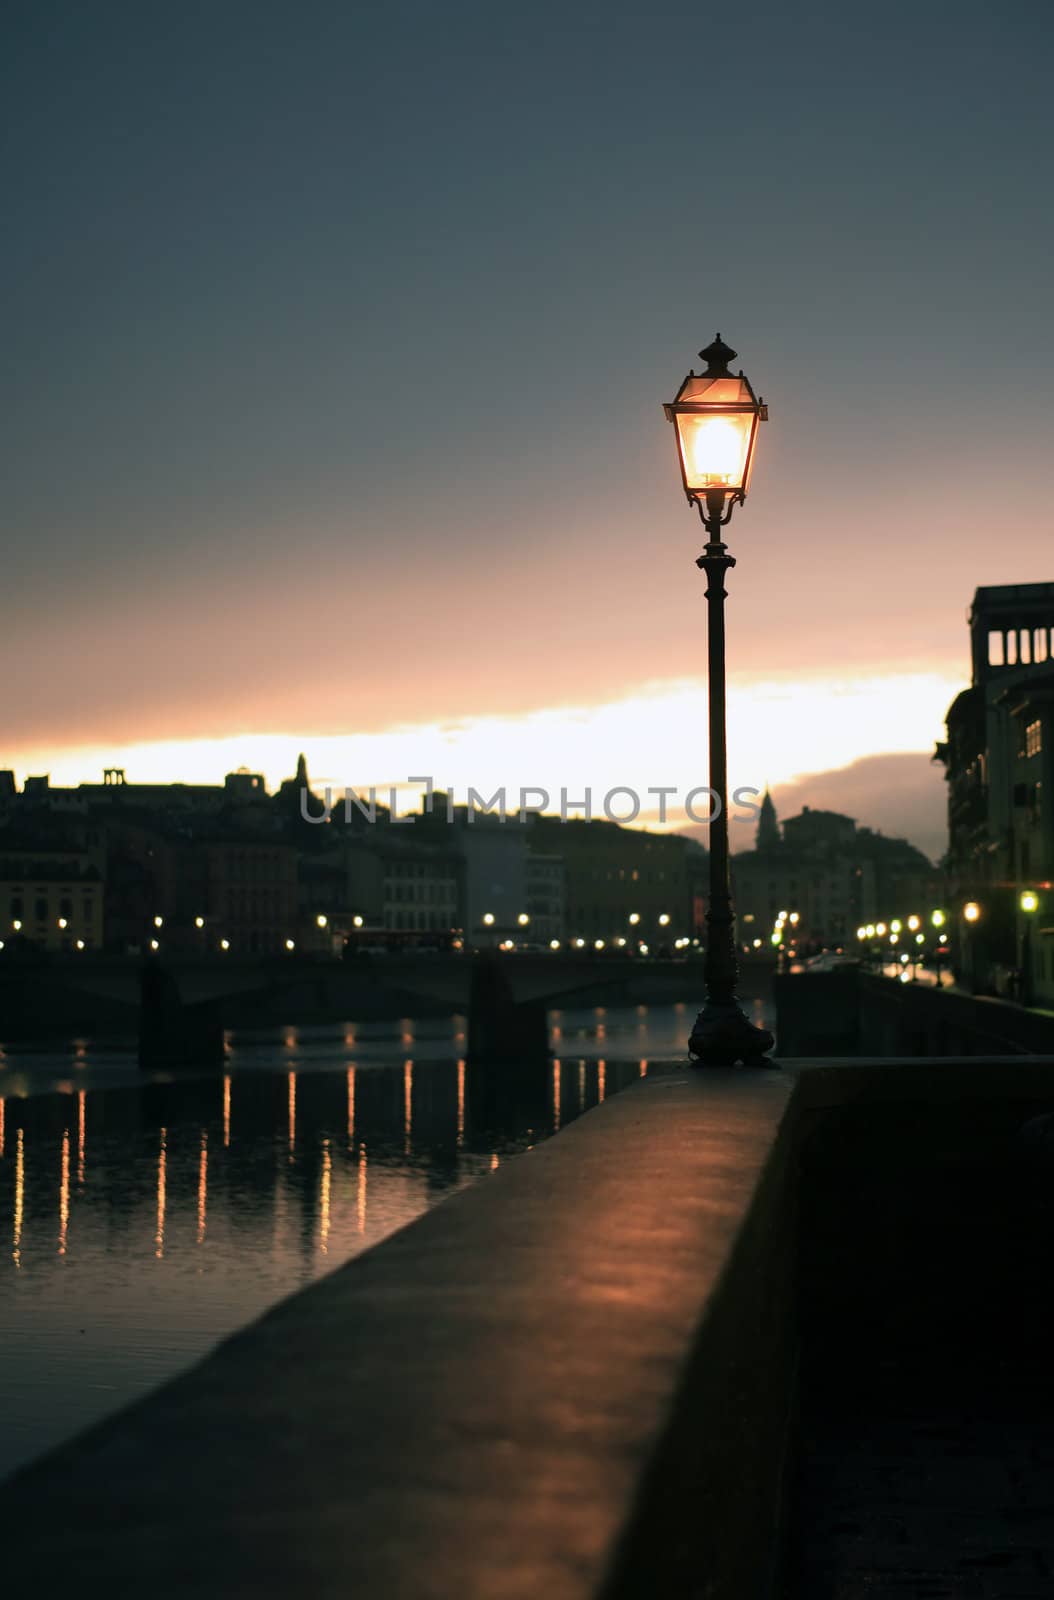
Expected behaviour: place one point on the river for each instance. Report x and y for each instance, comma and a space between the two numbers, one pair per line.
145, 1218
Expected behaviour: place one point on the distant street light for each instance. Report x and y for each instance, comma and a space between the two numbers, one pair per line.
634, 918
159, 922
938, 919
488, 919
290, 944
199, 922
971, 911
523, 919
356, 922
664, 921
1029, 901
322, 921
716, 416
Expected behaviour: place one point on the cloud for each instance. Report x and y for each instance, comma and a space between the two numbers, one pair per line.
900, 794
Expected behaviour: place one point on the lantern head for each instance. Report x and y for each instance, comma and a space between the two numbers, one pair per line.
716, 416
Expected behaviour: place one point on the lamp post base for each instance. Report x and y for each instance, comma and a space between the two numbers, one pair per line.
722, 1036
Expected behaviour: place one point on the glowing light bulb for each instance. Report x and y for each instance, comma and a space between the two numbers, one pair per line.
715, 450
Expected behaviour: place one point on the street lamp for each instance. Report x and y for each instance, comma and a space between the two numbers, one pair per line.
716, 416
971, 911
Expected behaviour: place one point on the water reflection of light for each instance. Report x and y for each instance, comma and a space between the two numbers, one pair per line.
642, 1011
1, 1125
581, 1086
461, 1102
82, 1101
323, 1198
408, 1103
602, 1031
556, 1096
360, 1196
644, 1069
558, 1033
159, 1237
203, 1186
290, 1039
351, 1106
64, 1192
601, 1081
349, 1039
20, 1195
226, 1110
80, 1053
292, 1113
494, 1162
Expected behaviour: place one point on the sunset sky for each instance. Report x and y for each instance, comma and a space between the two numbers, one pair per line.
336, 341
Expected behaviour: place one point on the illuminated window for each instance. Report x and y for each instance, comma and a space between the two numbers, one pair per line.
1033, 738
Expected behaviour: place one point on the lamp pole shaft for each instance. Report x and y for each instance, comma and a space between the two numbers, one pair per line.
721, 966
722, 1035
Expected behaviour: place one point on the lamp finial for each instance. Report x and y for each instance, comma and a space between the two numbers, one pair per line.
717, 356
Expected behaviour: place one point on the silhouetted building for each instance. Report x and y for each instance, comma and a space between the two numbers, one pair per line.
613, 874
834, 875
51, 895
997, 759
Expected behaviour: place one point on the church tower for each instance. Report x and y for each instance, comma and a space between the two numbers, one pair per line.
768, 835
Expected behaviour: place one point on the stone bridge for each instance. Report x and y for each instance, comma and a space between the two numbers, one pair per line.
181, 1005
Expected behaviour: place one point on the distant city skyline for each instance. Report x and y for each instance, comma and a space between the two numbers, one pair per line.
336, 356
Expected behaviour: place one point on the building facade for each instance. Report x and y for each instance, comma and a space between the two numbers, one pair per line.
997, 759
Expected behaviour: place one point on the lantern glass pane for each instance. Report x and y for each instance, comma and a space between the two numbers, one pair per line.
716, 392
715, 449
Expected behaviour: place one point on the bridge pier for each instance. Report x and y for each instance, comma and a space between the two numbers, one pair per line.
499, 1027
171, 1034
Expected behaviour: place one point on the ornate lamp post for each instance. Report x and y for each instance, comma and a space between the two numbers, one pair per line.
716, 417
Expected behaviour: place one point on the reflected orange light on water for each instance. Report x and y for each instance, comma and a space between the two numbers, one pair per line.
461, 1102
601, 1081
20, 1197
82, 1102
581, 1086
644, 1069
323, 1198
64, 1192
1, 1126
408, 1103
226, 1110
159, 1236
351, 1106
203, 1186
556, 1096
292, 1113
360, 1195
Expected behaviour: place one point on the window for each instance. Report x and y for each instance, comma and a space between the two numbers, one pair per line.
1033, 738
42, 910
